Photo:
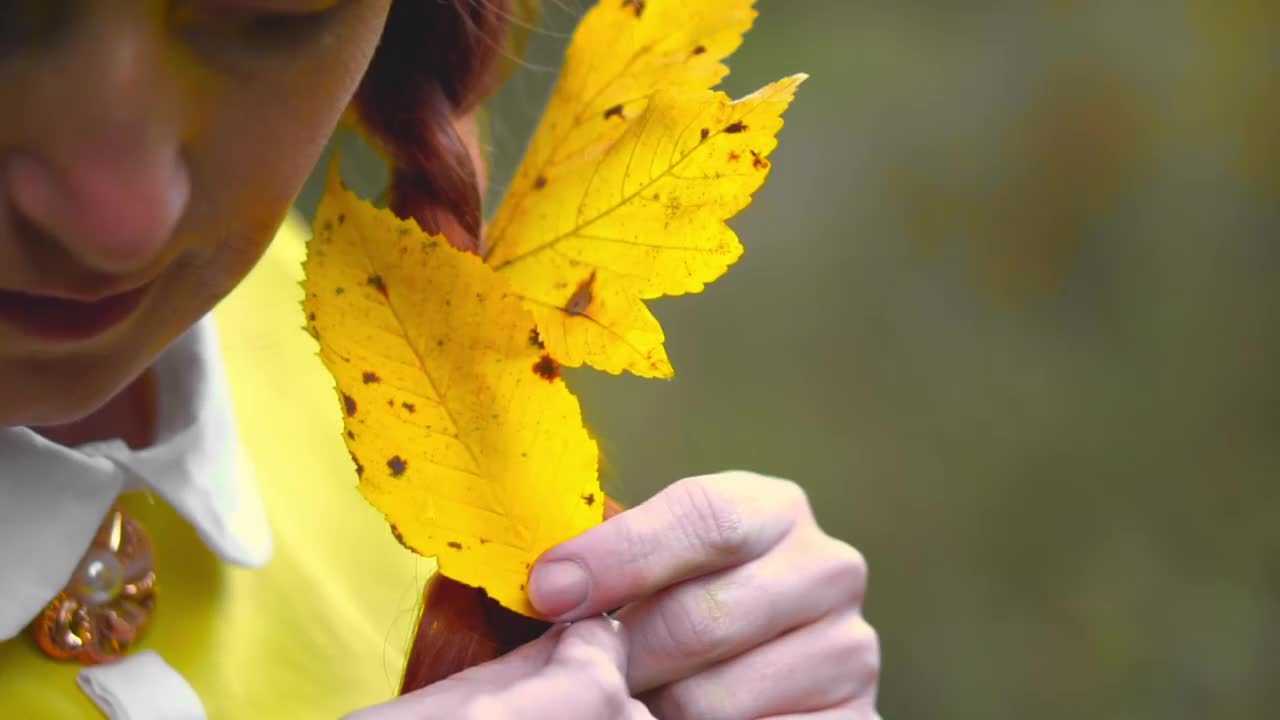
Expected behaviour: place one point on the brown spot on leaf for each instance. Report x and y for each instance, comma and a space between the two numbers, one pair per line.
706, 133
582, 296
615, 111
700, 50
376, 282
547, 368
342, 218
351, 435
397, 465
734, 156
589, 499
540, 182
736, 128
409, 407
759, 162
359, 465
339, 290
370, 377
454, 544
485, 541
535, 339
349, 404
395, 533
311, 317
636, 6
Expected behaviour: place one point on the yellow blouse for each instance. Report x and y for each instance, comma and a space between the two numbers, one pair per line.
322, 629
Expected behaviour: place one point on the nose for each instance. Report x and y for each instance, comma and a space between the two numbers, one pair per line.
98, 165
114, 206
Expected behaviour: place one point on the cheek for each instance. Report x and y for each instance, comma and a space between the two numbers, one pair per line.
260, 136
245, 175
247, 168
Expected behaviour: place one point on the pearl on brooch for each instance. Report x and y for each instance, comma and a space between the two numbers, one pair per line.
99, 579
109, 600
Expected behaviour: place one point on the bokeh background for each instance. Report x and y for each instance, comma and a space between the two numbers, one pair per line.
1009, 311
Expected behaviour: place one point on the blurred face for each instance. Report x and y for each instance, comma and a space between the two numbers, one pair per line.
148, 151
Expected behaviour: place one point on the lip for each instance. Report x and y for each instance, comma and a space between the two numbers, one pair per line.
64, 319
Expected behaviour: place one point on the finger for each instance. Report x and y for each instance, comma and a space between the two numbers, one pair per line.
857, 710
583, 680
522, 662
694, 527
446, 698
599, 643
699, 622
826, 665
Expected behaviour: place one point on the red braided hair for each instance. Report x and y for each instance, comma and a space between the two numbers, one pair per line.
437, 61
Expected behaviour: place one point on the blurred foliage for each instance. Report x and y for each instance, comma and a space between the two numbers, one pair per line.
1009, 311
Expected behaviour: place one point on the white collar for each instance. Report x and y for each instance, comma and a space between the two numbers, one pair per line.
52, 498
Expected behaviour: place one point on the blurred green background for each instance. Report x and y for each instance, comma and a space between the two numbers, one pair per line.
1009, 311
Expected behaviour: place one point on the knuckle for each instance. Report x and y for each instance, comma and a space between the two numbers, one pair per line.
637, 548
849, 567
686, 629
780, 491
858, 648
709, 519
793, 495
683, 701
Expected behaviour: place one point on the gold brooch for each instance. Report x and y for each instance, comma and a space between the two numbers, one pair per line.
108, 602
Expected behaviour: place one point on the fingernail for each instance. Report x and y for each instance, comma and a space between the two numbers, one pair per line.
558, 586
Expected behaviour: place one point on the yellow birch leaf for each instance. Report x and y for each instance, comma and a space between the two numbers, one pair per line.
646, 219
462, 431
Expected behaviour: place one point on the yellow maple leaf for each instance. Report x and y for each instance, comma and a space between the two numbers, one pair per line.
462, 431
620, 55
624, 189
647, 220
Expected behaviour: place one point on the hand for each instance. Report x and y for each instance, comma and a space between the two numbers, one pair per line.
571, 673
736, 603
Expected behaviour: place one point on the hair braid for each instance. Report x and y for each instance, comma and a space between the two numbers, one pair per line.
436, 62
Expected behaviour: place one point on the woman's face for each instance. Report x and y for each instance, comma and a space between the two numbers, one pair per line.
148, 151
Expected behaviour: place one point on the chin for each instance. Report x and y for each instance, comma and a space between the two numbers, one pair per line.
55, 393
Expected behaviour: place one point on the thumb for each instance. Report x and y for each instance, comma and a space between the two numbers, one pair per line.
584, 680
559, 584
